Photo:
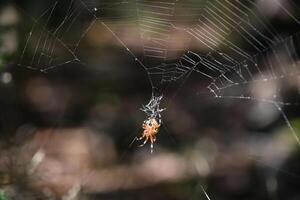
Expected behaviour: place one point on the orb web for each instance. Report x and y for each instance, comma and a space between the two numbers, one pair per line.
230, 44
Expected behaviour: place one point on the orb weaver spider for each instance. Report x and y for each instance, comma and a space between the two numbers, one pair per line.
152, 124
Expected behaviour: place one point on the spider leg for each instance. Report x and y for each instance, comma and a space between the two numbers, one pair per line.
159, 118
151, 147
134, 139
154, 139
151, 139
139, 138
146, 139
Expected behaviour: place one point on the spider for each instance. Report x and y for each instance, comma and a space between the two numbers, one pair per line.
151, 128
152, 124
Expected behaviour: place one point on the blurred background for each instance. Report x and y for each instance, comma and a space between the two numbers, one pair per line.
67, 132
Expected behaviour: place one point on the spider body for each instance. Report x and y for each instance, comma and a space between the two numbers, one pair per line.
151, 128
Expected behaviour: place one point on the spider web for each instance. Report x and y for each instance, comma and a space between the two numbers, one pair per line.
230, 44
263, 58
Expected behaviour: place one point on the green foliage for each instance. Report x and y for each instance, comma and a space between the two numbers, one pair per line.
3, 196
